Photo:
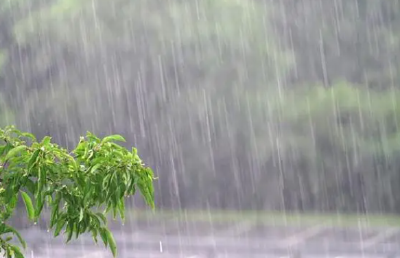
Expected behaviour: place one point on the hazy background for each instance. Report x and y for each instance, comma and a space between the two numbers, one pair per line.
235, 104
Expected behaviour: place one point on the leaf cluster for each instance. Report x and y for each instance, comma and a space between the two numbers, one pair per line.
79, 187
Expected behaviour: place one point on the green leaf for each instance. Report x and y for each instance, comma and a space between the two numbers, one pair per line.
6, 148
33, 159
103, 235
102, 217
29, 135
46, 140
2, 149
77, 228
49, 199
39, 203
15, 151
54, 215
94, 235
95, 167
41, 180
29, 206
114, 137
59, 227
121, 208
30, 185
70, 230
11, 206
95, 221
55, 209
2, 228
9, 229
17, 252
84, 225
111, 242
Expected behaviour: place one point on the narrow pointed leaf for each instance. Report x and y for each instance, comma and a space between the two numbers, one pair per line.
9, 229
59, 226
29, 206
114, 137
111, 242
104, 237
15, 151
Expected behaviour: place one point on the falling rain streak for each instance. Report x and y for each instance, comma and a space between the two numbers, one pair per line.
269, 107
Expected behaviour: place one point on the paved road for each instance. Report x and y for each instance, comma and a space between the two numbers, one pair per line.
181, 239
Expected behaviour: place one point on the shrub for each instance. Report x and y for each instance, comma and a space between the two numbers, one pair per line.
80, 187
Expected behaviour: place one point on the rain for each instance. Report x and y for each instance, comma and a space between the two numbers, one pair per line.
271, 125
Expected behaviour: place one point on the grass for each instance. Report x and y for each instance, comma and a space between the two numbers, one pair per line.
271, 218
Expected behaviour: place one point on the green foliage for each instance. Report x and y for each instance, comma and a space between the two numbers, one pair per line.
345, 111
80, 187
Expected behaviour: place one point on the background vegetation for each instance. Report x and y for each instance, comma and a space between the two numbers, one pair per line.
243, 104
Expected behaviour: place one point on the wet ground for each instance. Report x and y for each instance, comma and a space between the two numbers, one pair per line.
185, 239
